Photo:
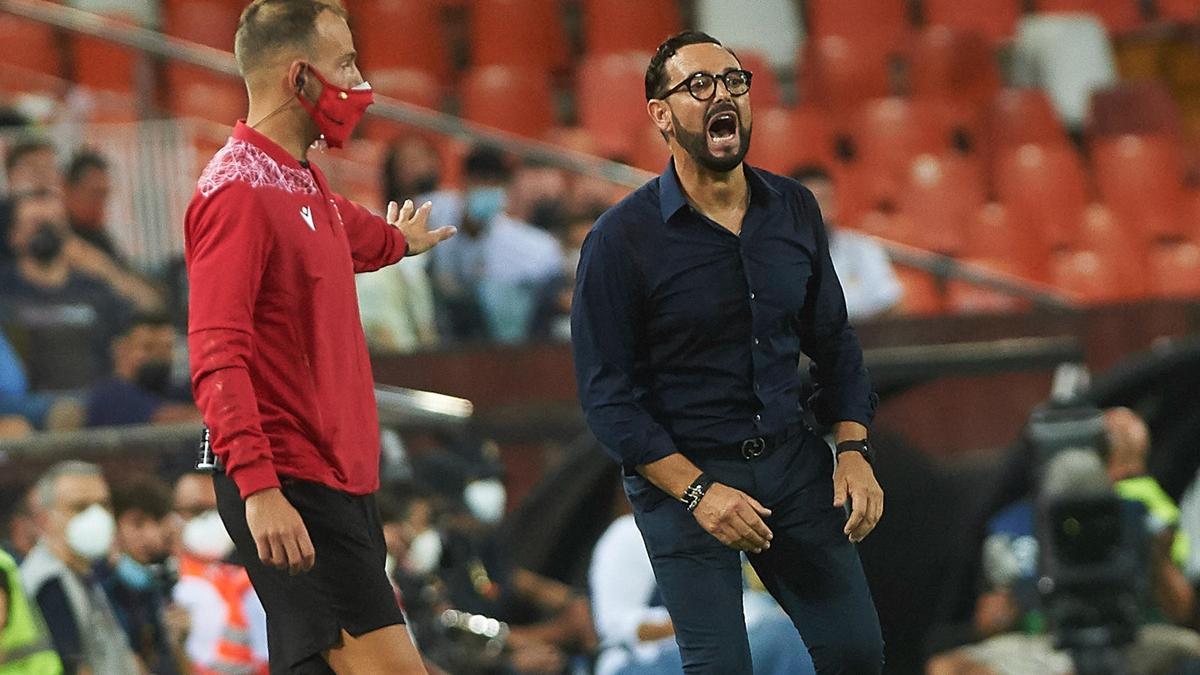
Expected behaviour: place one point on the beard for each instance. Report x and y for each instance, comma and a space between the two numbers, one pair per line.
696, 143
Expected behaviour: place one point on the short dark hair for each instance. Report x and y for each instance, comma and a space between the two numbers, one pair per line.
149, 494
82, 162
810, 172
152, 319
268, 26
25, 147
656, 71
487, 163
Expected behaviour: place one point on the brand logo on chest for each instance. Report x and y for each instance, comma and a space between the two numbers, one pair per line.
306, 214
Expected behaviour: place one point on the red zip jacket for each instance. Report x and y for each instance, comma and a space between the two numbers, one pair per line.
279, 362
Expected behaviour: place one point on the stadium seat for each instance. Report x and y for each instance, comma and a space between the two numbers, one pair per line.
401, 34
1141, 57
772, 29
785, 139
105, 65
1178, 10
889, 133
209, 22
512, 99
942, 195
882, 23
1141, 179
195, 93
765, 92
838, 75
922, 292
1140, 107
963, 297
610, 100
647, 149
1175, 269
403, 84
617, 26
524, 33
991, 234
954, 65
1119, 16
1022, 116
1069, 55
39, 52
1093, 278
994, 19
1045, 191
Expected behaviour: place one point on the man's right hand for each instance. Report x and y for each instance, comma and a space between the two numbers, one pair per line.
735, 518
279, 532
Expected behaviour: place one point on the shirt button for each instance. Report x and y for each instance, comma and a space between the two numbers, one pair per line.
751, 295
758, 418
756, 341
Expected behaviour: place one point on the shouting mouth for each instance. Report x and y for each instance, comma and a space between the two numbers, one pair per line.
723, 130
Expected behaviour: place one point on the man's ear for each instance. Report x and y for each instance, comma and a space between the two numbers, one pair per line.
660, 115
297, 76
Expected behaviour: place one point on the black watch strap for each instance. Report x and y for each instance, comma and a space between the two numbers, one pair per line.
696, 491
861, 446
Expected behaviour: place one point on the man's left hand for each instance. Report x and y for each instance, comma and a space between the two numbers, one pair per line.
414, 223
855, 479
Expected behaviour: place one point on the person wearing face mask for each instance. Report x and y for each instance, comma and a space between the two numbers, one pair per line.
138, 586
697, 295
279, 363
65, 318
227, 627
141, 390
64, 571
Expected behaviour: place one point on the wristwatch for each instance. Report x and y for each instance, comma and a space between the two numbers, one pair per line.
861, 446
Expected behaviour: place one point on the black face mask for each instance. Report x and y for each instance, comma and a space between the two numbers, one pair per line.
154, 376
45, 244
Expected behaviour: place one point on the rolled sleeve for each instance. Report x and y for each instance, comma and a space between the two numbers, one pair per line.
604, 315
842, 386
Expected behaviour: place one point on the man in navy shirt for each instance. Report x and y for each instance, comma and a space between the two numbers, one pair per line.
696, 296
140, 389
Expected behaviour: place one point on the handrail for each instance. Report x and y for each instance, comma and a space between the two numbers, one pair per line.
222, 62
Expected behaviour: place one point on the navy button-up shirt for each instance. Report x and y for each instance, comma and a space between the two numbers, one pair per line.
688, 337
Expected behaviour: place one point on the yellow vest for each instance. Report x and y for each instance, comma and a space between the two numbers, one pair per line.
24, 647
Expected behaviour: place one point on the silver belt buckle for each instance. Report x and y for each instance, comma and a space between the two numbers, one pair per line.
753, 447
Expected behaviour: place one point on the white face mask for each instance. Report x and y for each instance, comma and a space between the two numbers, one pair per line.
425, 552
205, 537
90, 533
486, 499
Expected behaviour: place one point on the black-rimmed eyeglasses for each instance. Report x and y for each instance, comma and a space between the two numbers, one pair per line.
703, 86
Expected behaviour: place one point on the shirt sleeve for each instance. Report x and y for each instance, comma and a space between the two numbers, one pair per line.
879, 277
605, 314
373, 243
228, 242
842, 388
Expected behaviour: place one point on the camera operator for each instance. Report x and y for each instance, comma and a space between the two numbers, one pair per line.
1010, 615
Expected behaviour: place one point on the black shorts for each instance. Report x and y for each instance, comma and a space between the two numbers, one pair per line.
347, 588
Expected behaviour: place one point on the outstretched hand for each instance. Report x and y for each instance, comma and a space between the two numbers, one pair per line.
414, 223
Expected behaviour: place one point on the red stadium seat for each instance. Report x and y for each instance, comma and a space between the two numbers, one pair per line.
1109, 264
1139, 107
611, 100
525, 33
942, 195
785, 139
206, 96
838, 75
766, 91
889, 133
994, 19
1175, 269
1141, 179
1021, 116
39, 46
1045, 191
1178, 10
922, 292
513, 99
1118, 16
401, 34
954, 65
208, 22
883, 23
963, 297
101, 64
403, 84
617, 26
647, 149
991, 234
1090, 277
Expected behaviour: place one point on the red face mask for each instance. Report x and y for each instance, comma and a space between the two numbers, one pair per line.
337, 111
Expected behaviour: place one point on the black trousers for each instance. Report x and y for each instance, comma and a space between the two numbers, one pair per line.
811, 569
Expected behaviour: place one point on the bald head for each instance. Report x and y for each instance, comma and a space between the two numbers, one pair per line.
1128, 443
273, 32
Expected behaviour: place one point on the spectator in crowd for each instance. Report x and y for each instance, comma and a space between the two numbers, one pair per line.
137, 587
870, 284
227, 625
88, 185
22, 530
31, 165
139, 390
60, 573
636, 634
552, 318
412, 170
1008, 615
66, 317
25, 647
29, 410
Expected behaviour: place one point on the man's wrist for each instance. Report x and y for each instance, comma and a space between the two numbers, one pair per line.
861, 446
695, 492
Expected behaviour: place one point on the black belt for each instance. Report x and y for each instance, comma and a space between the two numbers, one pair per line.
755, 447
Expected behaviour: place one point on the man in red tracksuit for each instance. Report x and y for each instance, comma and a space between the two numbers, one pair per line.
279, 363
